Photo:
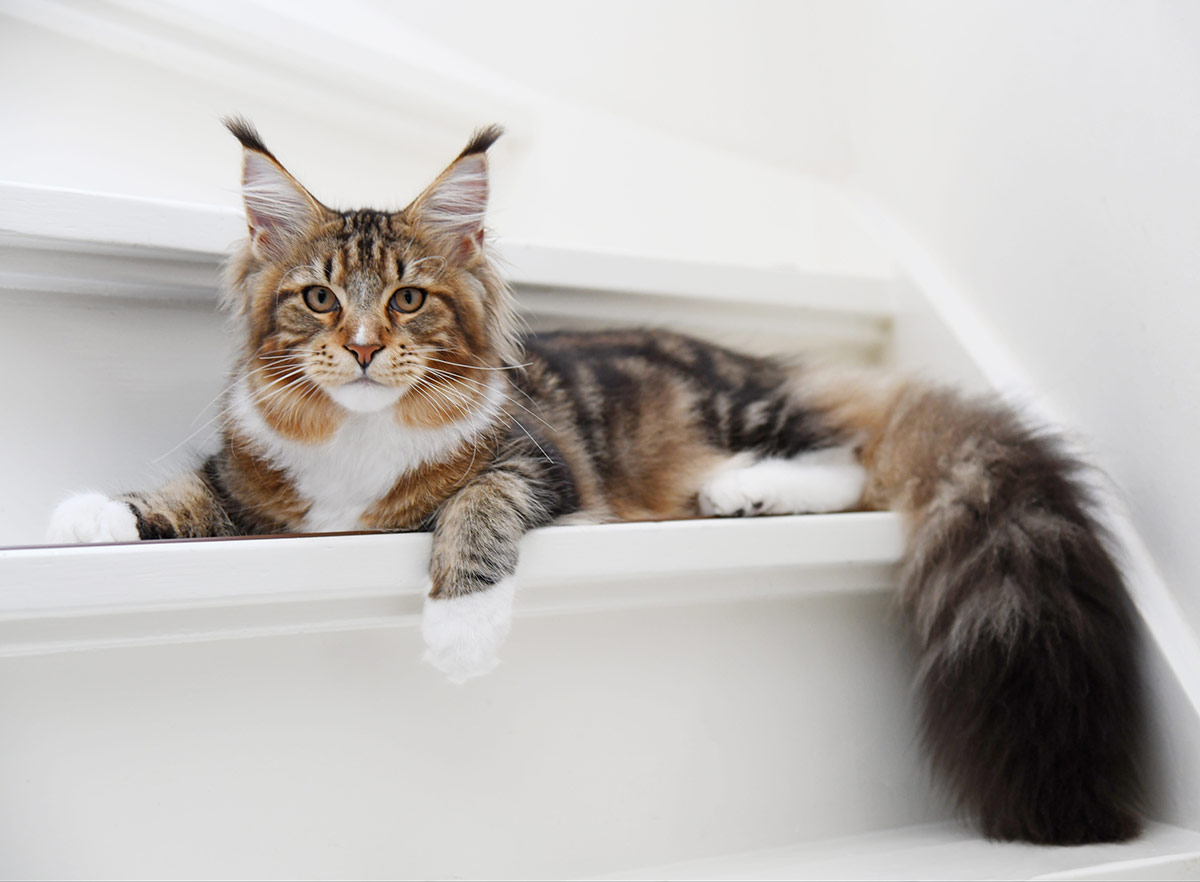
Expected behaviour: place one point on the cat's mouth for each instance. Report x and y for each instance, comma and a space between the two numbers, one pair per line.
364, 395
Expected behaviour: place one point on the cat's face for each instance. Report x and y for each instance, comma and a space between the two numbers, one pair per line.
363, 311
367, 313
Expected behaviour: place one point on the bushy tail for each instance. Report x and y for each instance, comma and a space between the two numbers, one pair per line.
1028, 677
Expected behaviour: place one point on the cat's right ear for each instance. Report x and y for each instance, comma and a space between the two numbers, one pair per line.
279, 211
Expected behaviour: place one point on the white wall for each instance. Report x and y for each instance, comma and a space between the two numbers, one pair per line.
757, 78
366, 109
605, 742
1046, 154
1041, 158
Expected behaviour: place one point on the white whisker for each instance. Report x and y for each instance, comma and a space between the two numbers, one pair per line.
479, 367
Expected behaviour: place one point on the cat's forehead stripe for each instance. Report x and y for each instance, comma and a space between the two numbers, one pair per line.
370, 233
366, 240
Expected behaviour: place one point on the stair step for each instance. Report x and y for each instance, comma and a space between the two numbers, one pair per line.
41, 218
56, 240
948, 851
56, 599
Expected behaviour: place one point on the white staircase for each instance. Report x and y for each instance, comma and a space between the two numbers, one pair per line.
709, 699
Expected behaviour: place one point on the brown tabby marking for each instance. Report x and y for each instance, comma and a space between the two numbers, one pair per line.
183, 508
260, 497
413, 501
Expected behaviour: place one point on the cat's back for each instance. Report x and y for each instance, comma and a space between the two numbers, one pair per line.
642, 416
622, 360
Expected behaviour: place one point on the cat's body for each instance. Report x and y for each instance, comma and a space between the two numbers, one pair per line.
383, 386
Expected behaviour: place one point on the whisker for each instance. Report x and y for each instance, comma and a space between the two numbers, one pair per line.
514, 367
474, 453
460, 398
441, 261
507, 397
159, 459
517, 421
276, 392
240, 374
434, 402
479, 367
531, 438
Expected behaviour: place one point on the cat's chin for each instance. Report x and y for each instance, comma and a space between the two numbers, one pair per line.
363, 396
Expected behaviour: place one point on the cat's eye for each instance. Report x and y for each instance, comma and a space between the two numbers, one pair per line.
318, 298
407, 300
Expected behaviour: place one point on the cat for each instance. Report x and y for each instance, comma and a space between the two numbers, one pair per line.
383, 384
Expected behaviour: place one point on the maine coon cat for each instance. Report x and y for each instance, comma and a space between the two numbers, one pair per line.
383, 384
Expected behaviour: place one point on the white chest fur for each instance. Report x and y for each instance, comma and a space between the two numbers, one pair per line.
343, 476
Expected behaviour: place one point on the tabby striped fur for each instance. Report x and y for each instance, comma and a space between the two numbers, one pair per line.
374, 416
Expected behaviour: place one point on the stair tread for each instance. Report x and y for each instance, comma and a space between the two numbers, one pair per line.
948, 851
149, 242
56, 598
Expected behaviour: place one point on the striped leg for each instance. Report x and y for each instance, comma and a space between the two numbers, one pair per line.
184, 507
475, 544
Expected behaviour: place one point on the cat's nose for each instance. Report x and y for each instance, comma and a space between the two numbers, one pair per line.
364, 352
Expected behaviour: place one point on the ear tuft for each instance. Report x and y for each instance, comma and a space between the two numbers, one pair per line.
482, 140
244, 131
453, 207
279, 211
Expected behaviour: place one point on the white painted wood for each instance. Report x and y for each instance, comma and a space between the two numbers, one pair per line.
62, 218
750, 693
253, 45
781, 288
151, 236
71, 598
366, 110
948, 851
97, 604
629, 638
608, 740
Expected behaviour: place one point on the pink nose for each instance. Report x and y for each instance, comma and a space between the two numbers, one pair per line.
364, 354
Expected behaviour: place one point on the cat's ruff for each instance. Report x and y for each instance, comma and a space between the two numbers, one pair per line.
346, 474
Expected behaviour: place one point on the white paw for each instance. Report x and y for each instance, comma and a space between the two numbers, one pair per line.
821, 481
91, 517
463, 635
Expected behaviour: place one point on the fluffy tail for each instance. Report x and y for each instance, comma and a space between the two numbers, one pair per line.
1028, 678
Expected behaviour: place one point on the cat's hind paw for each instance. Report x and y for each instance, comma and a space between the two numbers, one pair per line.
818, 481
463, 635
91, 517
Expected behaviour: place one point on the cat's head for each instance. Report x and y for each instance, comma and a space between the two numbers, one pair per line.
364, 310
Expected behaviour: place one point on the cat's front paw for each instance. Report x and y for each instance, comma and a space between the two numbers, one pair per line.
463, 634
91, 517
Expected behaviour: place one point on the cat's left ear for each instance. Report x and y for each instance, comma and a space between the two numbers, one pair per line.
452, 208
279, 211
